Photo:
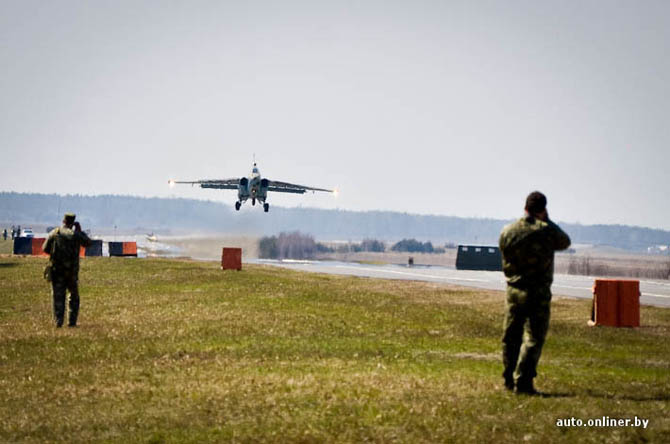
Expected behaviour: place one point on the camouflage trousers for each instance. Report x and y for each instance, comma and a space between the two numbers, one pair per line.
524, 330
60, 284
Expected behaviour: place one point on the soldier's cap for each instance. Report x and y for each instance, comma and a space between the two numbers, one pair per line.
69, 218
536, 202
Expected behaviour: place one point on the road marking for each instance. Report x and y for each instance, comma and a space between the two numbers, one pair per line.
574, 288
664, 296
365, 271
405, 273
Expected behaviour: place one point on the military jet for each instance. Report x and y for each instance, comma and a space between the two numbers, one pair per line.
253, 187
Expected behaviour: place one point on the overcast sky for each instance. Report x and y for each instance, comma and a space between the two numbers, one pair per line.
431, 107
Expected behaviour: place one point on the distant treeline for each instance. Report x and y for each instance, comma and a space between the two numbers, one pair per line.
170, 215
290, 246
297, 245
377, 246
414, 246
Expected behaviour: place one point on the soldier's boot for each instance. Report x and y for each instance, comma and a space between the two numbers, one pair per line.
509, 384
525, 387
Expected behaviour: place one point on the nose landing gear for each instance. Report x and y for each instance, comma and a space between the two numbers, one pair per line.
238, 204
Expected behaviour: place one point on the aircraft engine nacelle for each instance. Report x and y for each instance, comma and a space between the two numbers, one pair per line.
263, 189
243, 188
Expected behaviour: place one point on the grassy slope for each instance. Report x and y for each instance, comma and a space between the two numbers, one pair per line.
181, 351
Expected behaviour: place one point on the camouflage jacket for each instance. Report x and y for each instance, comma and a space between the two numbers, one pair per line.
63, 246
527, 247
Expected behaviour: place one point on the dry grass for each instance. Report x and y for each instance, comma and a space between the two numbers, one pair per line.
6, 246
631, 266
179, 351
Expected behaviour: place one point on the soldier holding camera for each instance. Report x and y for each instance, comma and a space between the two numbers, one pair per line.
63, 246
528, 247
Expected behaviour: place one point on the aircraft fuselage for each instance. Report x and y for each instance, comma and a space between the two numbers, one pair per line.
253, 187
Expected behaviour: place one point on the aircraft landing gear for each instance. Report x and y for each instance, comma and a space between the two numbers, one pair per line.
238, 204
266, 207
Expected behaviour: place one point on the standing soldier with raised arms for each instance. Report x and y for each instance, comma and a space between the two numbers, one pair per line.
528, 247
63, 245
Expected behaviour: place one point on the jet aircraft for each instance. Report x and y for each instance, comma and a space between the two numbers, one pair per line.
253, 187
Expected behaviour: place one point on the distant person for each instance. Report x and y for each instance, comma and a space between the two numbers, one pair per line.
4, 234
528, 247
63, 245
13, 232
18, 231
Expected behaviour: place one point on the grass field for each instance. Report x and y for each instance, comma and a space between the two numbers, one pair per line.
180, 351
6, 246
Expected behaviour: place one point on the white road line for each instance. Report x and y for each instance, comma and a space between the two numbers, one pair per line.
574, 288
663, 284
379, 271
664, 296
405, 273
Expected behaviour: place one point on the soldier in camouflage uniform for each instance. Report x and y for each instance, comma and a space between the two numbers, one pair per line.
63, 245
528, 247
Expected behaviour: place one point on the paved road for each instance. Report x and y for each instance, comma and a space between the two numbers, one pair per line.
653, 292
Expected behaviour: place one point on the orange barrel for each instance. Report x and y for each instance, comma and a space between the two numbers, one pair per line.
130, 248
231, 259
616, 303
36, 246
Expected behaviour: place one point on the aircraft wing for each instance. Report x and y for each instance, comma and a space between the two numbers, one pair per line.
220, 184
285, 187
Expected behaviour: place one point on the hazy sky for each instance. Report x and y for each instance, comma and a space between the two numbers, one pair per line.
432, 107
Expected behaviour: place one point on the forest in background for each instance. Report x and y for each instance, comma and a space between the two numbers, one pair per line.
190, 216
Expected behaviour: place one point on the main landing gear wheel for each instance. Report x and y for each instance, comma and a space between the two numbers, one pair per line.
266, 207
238, 205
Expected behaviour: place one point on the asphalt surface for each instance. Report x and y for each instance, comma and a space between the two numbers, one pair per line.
652, 292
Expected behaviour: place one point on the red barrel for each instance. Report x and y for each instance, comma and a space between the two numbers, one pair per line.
616, 303
231, 259
36, 246
130, 248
